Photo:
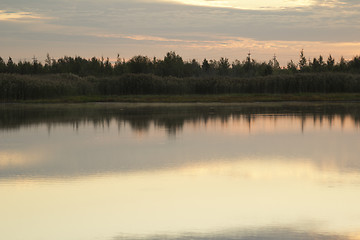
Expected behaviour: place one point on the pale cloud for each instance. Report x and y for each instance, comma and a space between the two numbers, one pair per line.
17, 16
139, 37
152, 28
238, 47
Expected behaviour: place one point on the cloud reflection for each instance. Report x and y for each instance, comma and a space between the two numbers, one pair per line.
244, 4
14, 159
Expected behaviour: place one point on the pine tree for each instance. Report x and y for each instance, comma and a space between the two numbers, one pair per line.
330, 63
302, 61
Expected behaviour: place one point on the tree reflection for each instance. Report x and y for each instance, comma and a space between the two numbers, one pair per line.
169, 117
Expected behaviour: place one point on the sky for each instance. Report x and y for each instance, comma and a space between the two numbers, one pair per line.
194, 29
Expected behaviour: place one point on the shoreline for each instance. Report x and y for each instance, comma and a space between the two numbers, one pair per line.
196, 98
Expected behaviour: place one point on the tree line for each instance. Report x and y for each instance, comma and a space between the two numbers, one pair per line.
173, 65
76, 76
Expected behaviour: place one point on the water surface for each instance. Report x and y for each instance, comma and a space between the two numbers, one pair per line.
196, 171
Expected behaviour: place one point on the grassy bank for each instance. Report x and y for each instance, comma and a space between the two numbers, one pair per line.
221, 98
150, 88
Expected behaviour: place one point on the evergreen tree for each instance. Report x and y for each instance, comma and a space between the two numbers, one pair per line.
330, 63
48, 63
291, 67
237, 68
321, 63
342, 64
108, 69
274, 63
205, 66
24, 67
315, 65
354, 64
2, 65
302, 61
11, 67
119, 67
248, 65
173, 65
192, 68
36, 66
224, 65
139, 64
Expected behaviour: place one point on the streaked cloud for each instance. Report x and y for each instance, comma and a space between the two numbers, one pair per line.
237, 47
15, 16
193, 29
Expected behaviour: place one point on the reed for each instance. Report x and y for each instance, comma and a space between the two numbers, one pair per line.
25, 87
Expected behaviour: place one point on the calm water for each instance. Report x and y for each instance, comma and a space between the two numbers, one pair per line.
242, 171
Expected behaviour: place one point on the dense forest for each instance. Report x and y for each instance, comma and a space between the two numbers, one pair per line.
173, 65
76, 76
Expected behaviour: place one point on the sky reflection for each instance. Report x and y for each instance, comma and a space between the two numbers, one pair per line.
196, 200
243, 4
269, 233
86, 145
223, 174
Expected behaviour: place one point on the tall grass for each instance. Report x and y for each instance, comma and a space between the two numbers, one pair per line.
24, 87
